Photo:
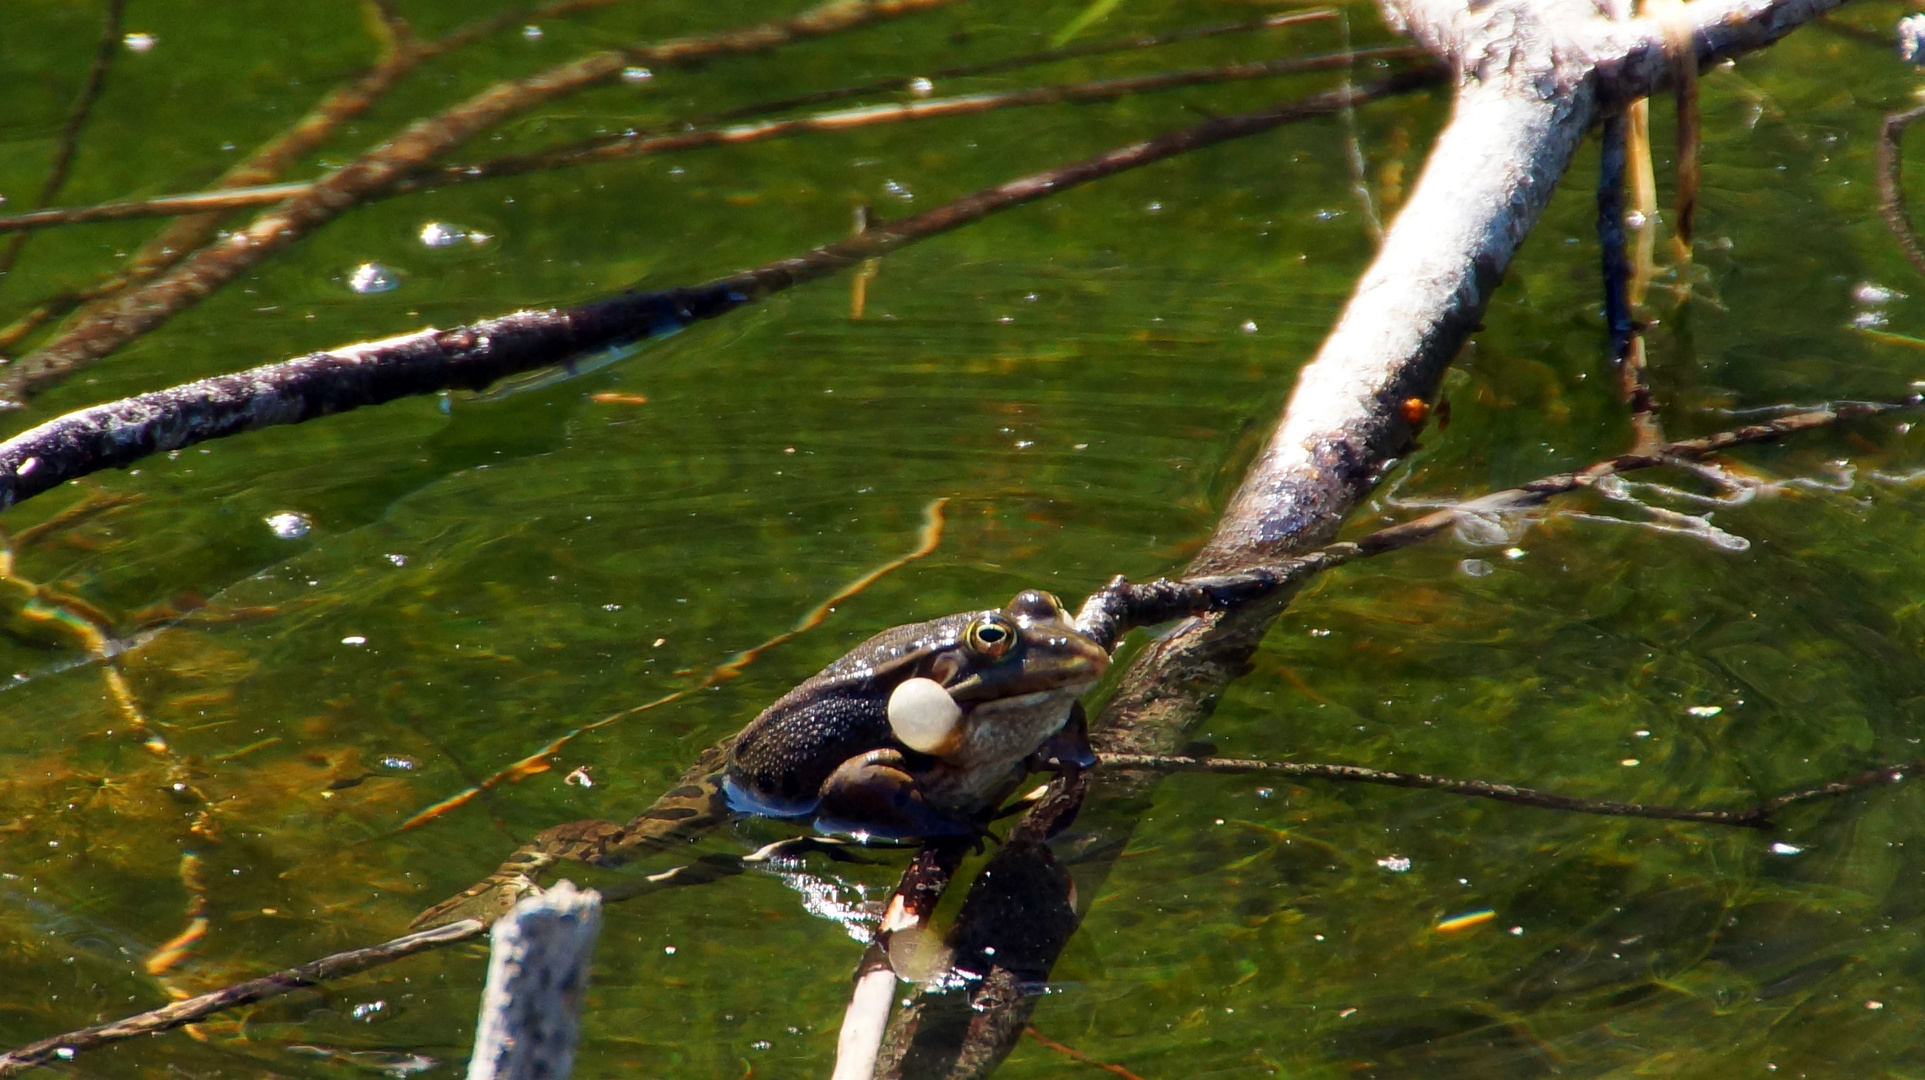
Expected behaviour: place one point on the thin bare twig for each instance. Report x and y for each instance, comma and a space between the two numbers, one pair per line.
69, 141
320, 384
131, 313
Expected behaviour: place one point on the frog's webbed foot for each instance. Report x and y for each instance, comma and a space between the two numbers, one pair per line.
874, 797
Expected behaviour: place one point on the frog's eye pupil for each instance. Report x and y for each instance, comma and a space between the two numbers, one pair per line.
991, 638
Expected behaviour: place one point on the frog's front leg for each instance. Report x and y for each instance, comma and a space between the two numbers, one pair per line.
874, 795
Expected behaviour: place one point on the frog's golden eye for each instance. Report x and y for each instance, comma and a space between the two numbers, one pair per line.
990, 636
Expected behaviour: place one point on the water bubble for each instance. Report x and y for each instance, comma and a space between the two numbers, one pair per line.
1872, 294
760, 1044
289, 525
1396, 864
354, 639
369, 278
398, 560
636, 75
1249, 326
921, 87
436, 234
1475, 568
400, 763
579, 778
532, 33
139, 42
1782, 848
1630, 763
898, 190
1704, 712
1911, 38
367, 1010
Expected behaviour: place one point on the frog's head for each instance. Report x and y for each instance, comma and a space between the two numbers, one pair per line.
1029, 647
1027, 657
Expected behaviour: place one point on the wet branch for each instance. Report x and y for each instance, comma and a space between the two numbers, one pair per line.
471, 357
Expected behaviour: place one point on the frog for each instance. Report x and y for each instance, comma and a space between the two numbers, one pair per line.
924, 729
920, 732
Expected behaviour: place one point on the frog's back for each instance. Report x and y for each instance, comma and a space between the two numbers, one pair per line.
784, 755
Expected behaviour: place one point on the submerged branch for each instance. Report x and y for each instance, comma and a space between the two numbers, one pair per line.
471, 357
621, 147
126, 316
1017, 63
69, 141
1757, 817
63, 1047
1891, 183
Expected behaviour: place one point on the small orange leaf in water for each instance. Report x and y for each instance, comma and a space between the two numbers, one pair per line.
611, 398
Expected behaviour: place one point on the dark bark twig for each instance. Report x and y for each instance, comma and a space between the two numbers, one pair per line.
129, 314
1121, 605
69, 141
369, 373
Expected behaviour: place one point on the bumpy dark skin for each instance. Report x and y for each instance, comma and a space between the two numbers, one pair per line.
826, 748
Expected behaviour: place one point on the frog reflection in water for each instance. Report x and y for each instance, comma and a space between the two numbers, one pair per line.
921, 731
924, 729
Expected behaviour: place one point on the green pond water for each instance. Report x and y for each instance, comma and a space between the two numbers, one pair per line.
1083, 380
